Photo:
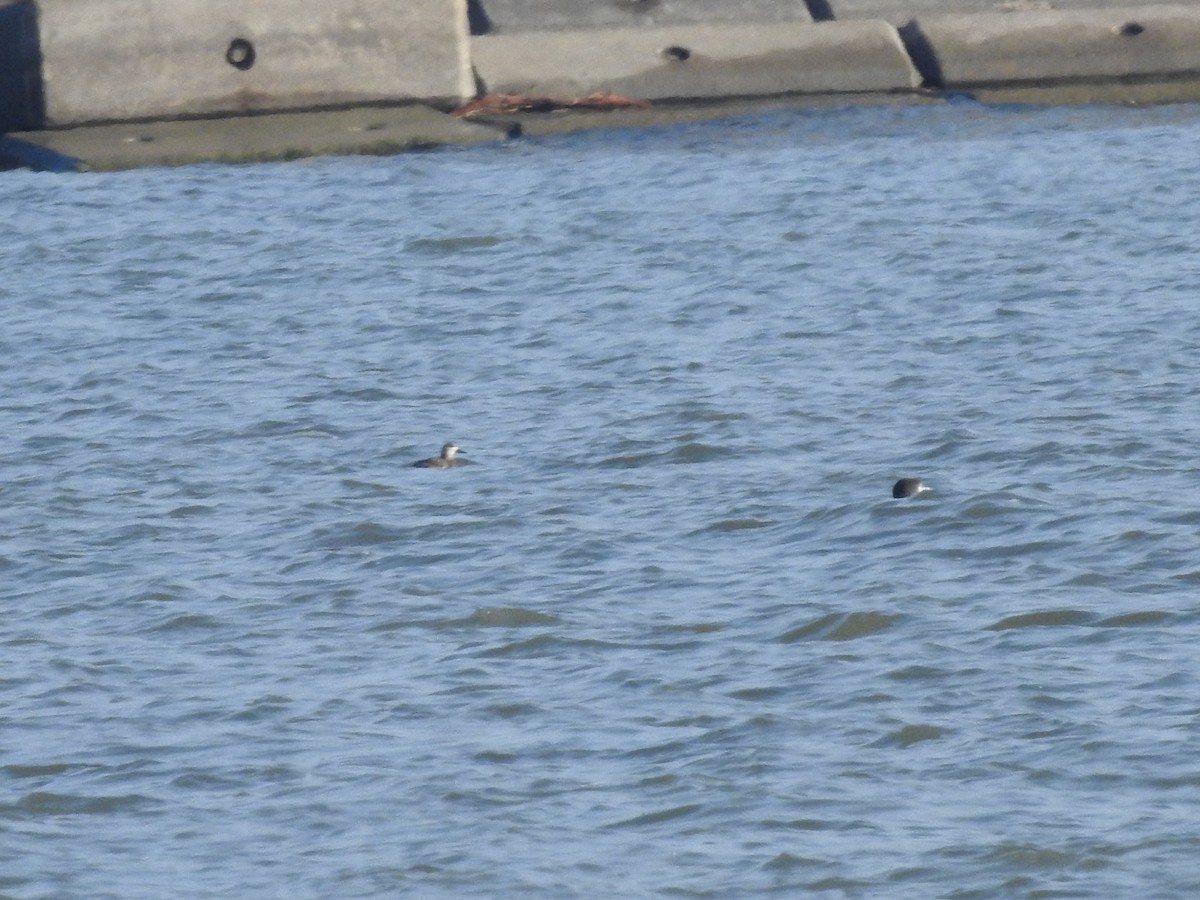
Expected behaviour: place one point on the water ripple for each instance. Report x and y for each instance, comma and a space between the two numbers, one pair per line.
669, 634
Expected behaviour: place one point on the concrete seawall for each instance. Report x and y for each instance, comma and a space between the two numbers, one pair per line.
117, 83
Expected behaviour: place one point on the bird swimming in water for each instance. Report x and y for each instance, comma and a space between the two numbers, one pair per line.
909, 487
444, 460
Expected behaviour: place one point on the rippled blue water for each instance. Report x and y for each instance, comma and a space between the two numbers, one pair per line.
668, 635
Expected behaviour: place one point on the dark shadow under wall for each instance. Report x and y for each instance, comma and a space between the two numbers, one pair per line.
922, 54
477, 18
819, 10
22, 104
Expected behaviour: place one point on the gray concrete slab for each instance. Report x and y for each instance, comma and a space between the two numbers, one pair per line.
513, 16
1048, 47
365, 130
698, 62
900, 11
116, 60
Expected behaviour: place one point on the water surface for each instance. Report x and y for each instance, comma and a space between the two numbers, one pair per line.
668, 635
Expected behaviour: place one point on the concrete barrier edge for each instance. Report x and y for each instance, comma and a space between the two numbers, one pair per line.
1056, 47
1127, 53
698, 62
